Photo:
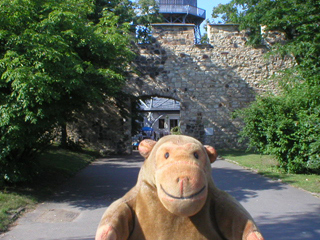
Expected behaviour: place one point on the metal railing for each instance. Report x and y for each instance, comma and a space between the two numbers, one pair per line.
187, 9
178, 2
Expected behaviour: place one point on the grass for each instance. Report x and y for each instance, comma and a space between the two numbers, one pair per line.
11, 205
266, 165
56, 166
59, 164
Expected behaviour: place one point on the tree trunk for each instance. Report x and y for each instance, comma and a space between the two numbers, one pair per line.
63, 140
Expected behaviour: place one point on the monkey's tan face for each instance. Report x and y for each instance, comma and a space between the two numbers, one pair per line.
181, 179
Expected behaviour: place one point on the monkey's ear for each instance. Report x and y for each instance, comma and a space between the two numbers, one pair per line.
145, 147
212, 153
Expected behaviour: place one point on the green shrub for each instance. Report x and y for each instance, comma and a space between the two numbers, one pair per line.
176, 131
288, 127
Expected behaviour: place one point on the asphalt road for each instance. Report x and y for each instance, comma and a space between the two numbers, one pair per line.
282, 212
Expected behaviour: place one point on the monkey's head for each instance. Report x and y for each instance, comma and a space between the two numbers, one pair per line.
179, 168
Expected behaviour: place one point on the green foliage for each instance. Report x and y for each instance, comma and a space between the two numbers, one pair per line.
147, 13
228, 12
204, 39
176, 131
124, 9
287, 127
53, 61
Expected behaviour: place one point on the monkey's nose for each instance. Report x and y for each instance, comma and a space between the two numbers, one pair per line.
183, 179
183, 182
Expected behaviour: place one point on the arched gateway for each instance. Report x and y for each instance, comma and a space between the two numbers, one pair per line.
210, 81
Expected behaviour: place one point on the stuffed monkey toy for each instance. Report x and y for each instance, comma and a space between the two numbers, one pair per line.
175, 198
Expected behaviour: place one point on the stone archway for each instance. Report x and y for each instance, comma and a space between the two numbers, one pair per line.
211, 81
160, 116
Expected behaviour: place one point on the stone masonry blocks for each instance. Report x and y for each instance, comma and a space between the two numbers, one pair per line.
211, 81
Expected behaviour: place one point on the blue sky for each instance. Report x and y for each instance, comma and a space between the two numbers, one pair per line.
208, 5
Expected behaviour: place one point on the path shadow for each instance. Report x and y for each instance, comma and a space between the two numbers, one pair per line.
304, 226
242, 184
280, 215
108, 179
101, 183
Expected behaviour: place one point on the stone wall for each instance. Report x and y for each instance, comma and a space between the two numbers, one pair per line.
250, 64
211, 81
102, 128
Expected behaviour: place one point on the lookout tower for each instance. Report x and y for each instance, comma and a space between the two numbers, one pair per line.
183, 11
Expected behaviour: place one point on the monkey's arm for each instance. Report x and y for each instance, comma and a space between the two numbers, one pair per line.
234, 222
117, 221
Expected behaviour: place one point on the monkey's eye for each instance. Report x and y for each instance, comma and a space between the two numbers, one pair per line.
166, 155
196, 155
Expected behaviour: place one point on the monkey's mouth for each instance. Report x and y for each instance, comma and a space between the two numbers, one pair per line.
184, 197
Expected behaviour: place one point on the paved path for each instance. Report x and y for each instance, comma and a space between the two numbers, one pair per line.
282, 212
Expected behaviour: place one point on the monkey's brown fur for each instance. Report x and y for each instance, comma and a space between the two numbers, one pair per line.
175, 198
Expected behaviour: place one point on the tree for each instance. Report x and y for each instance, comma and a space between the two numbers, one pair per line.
55, 58
147, 13
124, 9
286, 125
